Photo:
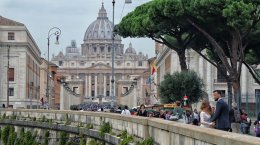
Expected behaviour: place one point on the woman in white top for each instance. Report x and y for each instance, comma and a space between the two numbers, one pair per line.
126, 111
205, 114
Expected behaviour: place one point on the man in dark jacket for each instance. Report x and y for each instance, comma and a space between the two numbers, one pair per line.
221, 115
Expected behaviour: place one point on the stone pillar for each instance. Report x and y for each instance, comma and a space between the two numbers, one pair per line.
105, 85
89, 85
209, 81
86, 85
141, 90
61, 97
96, 85
134, 96
201, 67
110, 78
244, 79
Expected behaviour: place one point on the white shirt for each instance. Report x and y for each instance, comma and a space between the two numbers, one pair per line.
196, 116
125, 112
205, 119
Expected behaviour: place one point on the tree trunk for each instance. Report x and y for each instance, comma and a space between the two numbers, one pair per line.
182, 59
230, 96
237, 93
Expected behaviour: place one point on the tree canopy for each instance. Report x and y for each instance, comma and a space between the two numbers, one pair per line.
227, 30
179, 84
148, 20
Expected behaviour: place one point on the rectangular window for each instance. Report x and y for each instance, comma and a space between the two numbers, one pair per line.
220, 78
75, 89
10, 35
92, 93
11, 92
223, 93
60, 63
109, 49
108, 93
11, 74
102, 49
125, 89
140, 63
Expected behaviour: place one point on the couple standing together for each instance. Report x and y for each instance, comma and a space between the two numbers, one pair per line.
220, 116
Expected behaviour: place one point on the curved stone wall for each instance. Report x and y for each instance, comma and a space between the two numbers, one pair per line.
163, 132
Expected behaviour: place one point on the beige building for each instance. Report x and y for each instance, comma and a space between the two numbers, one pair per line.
22, 83
168, 62
54, 91
88, 70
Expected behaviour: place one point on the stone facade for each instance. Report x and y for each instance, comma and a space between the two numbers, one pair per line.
54, 85
168, 62
93, 66
24, 65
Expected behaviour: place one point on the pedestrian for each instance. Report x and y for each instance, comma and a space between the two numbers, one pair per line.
235, 118
257, 126
245, 123
142, 111
126, 111
205, 115
195, 117
221, 115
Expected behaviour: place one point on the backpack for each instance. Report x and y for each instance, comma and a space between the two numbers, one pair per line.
237, 116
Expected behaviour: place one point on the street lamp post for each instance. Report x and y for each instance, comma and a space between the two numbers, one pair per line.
53, 31
113, 53
113, 57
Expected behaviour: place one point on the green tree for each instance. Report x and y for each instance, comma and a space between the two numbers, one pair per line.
227, 30
175, 86
227, 27
149, 20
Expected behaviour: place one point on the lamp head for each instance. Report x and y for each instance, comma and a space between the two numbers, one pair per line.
57, 40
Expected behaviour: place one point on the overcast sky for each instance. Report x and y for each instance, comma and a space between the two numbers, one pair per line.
71, 16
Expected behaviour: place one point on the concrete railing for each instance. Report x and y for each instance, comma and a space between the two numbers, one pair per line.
163, 132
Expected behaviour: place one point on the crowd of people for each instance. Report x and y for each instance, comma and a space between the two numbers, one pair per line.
93, 106
219, 117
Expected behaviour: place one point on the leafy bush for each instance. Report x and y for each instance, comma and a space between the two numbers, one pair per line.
63, 138
46, 140
148, 141
126, 138
43, 118
67, 120
4, 116
92, 142
5, 134
104, 128
89, 126
82, 140
13, 117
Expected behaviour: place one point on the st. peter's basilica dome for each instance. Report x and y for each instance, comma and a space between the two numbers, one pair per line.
101, 28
